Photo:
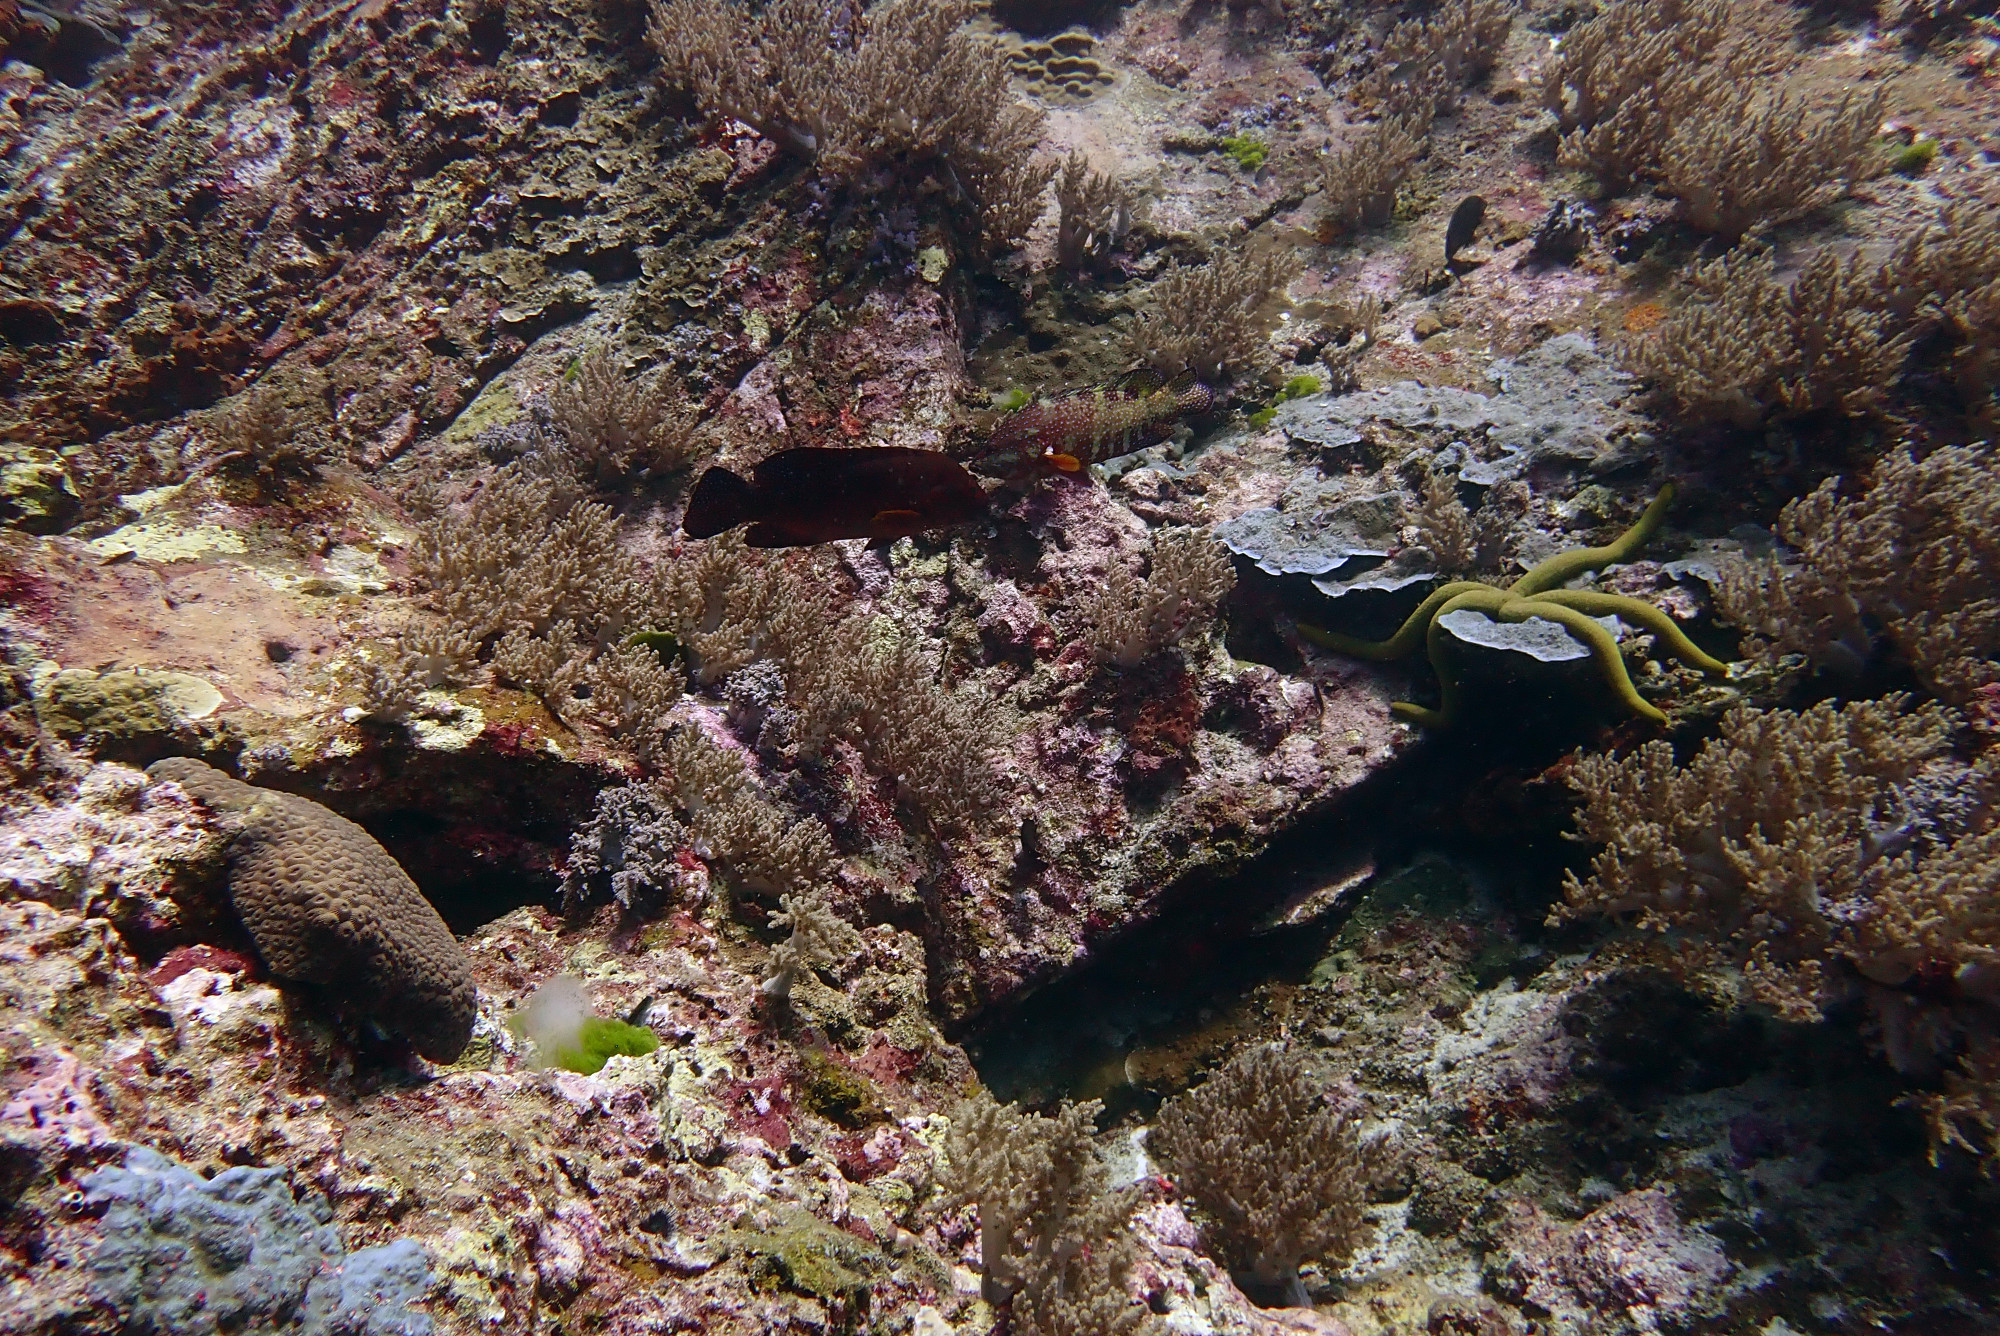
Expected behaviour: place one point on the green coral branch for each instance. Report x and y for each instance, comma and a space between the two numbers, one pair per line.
1536, 594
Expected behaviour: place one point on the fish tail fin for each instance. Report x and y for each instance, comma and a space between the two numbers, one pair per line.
721, 500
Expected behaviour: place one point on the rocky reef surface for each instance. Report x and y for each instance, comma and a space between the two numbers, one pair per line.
356, 362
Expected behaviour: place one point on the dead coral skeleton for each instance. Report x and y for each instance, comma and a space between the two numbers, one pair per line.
1916, 554
1275, 1169
853, 90
1131, 618
1214, 318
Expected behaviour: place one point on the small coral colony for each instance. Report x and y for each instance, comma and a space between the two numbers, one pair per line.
933, 491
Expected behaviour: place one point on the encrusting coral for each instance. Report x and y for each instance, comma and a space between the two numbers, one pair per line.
239, 1252
1277, 1169
327, 905
1536, 594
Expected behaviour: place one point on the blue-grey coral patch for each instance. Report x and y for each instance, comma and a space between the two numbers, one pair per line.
238, 1253
1558, 401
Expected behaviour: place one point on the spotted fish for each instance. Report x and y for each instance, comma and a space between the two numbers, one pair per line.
1070, 433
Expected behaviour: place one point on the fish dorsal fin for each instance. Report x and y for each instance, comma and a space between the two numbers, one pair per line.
1184, 382
1142, 382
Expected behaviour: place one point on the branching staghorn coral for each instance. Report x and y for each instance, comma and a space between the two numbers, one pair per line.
1463, 542
1742, 155
1094, 212
1747, 344
1129, 619
632, 844
1275, 1169
817, 937
853, 89
1212, 319
1749, 850
1819, 852
1052, 1234
1362, 178
1425, 61
1539, 593
1624, 80
611, 427
1917, 555
733, 823
274, 436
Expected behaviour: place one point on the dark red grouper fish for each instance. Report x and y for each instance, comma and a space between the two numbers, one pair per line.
1075, 431
816, 495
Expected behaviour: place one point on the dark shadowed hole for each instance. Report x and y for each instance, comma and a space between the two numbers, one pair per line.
1169, 980
469, 883
1045, 18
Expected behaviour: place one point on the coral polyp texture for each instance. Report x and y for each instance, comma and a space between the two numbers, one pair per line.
1020, 901
327, 905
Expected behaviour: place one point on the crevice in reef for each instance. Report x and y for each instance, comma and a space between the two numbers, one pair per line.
1186, 978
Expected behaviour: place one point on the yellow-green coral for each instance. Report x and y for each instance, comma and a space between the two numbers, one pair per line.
1536, 594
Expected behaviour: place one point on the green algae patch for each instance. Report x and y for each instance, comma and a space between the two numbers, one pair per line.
838, 1093
810, 1257
1246, 151
602, 1040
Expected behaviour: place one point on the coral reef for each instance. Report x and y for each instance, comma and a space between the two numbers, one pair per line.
327, 905
961, 927
1538, 594
1911, 558
237, 1252
1867, 876
1275, 1168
